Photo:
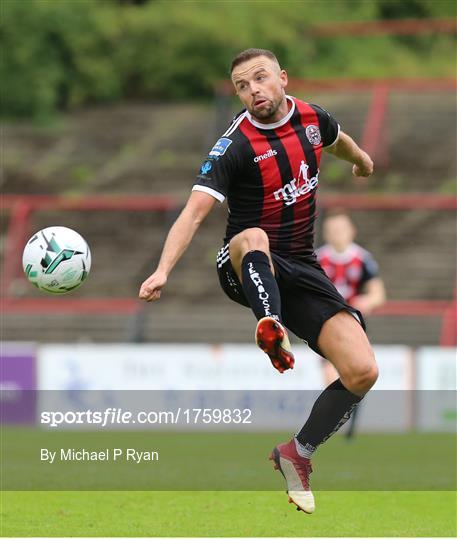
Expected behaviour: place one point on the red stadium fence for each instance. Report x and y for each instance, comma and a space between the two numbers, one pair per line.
20, 209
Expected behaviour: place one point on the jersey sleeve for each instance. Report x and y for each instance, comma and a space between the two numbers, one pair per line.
218, 170
370, 268
328, 126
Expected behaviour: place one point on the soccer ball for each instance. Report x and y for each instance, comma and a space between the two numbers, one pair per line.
56, 260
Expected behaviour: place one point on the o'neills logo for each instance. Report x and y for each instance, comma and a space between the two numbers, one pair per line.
270, 153
298, 186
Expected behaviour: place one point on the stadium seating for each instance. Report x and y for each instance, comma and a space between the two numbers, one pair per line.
157, 151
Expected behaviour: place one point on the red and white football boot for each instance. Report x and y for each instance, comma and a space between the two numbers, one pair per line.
272, 338
296, 471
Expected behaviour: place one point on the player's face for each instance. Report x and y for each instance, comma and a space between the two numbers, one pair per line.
260, 84
339, 232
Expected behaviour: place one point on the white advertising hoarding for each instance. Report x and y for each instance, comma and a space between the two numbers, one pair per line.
437, 383
177, 367
197, 367
230, 367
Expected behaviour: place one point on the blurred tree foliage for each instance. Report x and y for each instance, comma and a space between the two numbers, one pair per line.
60, 54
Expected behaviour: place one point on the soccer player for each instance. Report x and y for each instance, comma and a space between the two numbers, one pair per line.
353, 271
267, 166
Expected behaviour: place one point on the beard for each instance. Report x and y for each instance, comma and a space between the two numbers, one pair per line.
266, 111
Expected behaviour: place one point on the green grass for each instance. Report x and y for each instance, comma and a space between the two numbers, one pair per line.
226, 514
232, 462
360, 471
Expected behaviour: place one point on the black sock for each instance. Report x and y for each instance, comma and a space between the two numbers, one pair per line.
259, 285
330, 411
351, 431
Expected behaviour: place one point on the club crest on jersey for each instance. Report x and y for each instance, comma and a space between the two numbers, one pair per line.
313, 134
220, 147
298, 186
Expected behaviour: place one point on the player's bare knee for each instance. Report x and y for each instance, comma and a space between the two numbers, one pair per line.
362, 379
255, 239
252, 239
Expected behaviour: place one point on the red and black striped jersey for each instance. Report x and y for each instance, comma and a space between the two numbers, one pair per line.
348, 270
269, 174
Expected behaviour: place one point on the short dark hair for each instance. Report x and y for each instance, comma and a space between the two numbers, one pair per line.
251, 53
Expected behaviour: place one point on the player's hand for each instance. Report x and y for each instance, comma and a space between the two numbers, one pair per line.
151, 289
364, 167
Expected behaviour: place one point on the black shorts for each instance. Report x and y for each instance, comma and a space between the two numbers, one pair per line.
308, 297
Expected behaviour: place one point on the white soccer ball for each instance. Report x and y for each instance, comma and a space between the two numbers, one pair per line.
56, 260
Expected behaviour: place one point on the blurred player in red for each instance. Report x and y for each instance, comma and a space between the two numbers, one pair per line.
353, 271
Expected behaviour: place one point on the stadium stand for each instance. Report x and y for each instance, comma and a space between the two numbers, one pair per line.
153, 154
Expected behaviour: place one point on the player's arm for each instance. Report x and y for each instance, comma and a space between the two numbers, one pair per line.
373, 296
345, 148
179, 237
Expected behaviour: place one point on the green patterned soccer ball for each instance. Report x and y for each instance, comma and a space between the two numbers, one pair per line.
56, 260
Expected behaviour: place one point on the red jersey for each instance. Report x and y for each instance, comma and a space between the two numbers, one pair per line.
269, 174
348, 270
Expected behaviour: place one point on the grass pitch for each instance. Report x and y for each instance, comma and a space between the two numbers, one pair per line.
226, 514
371, 462
230, 461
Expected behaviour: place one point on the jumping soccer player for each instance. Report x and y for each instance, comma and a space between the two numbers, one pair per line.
353, 271
267, 165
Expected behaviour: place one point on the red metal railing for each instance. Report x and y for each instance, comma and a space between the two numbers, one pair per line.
449, 325
96, 306
22, 207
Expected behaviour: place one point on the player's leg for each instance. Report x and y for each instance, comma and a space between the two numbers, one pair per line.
355, 413
251, 260
330, 375
329, 372
343, 342
352, 423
